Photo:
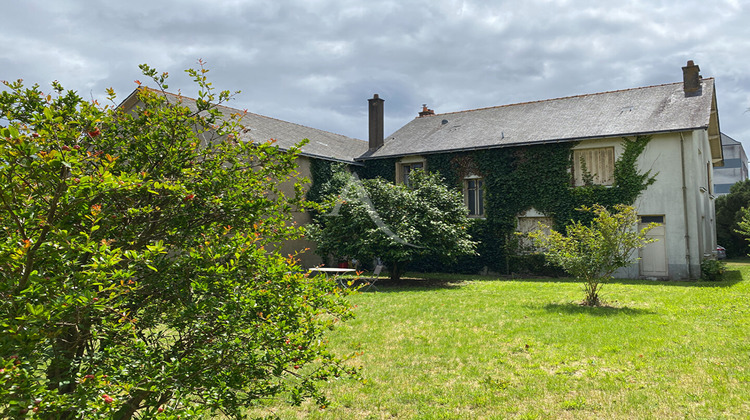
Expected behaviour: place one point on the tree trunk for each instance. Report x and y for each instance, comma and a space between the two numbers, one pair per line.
396, 268
63, 367
131, 406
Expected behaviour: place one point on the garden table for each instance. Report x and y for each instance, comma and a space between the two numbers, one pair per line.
335, 271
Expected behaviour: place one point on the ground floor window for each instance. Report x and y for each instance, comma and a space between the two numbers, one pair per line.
530, 221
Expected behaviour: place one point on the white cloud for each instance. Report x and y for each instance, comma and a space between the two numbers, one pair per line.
320, 60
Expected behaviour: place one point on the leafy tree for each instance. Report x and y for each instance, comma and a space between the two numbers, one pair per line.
377, 219
592, 253
728, 216
743, 226
138, 275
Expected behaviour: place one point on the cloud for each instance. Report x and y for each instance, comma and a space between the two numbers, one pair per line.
316, 62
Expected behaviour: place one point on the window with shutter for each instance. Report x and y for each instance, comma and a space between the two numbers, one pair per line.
407, 168
594, 166
529, 224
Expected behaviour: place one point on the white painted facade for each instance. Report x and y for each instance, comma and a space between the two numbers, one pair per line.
683, 195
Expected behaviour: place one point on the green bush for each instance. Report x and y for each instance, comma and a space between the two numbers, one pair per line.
592, 253
138, 265
712, 270
394, 222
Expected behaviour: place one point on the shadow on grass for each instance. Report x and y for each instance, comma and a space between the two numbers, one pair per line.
415, 285
606, 310
412, 282
730, 279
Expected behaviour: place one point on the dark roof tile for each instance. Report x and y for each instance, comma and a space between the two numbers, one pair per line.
646, 110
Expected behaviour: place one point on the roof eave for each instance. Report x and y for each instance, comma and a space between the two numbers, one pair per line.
530, 143
332, 159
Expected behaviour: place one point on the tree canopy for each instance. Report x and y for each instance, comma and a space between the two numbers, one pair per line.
728, 216
374, 218
138, 267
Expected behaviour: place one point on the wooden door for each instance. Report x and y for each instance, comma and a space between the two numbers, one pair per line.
654, 255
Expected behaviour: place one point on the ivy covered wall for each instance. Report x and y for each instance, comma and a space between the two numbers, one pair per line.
516, 179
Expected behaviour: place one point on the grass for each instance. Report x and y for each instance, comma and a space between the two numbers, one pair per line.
524, 349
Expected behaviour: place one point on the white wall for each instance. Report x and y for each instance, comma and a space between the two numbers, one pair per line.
685, 201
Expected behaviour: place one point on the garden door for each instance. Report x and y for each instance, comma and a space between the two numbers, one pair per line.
654, 255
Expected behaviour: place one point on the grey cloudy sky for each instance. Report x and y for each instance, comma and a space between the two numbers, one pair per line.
315, 62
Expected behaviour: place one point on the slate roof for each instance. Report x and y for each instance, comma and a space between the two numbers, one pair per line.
645, 110
322, 144
259, 128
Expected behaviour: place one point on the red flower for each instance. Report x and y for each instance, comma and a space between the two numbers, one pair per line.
108, 399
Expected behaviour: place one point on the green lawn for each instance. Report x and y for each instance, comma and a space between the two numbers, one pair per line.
493, 349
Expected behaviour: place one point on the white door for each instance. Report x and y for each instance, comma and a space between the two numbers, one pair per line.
654, 255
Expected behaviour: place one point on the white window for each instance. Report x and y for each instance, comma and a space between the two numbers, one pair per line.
474, 196
594, 166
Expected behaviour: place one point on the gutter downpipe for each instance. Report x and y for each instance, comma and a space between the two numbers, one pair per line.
684, 206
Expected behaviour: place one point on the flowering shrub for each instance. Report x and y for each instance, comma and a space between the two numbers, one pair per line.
137, 269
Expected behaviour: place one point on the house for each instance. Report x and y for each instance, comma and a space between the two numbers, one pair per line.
735, 165
655, 147
522, 163
322, 146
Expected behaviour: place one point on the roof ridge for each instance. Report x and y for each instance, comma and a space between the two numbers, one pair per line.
561, 98
245, 111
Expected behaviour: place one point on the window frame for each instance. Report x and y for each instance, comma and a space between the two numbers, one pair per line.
528, 221
478, 198
595, 170
406, 166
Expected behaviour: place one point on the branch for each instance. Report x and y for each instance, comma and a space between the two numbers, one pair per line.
64, 172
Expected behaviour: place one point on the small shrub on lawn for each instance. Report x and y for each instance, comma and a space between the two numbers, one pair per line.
712, 270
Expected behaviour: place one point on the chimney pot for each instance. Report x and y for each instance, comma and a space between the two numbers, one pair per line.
691, 79
425, 111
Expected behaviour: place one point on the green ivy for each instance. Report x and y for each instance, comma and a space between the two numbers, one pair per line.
378, 168
520, 178
320, 172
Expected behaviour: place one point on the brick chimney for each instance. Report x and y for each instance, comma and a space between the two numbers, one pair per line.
376, 122
691, 79
426, 112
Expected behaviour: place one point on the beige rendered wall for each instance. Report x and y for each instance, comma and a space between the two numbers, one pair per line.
303, 249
